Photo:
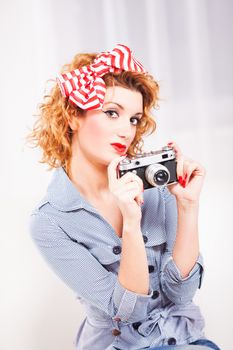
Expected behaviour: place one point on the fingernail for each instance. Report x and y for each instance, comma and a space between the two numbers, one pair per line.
180, 180
170, 143
184, 183
185, 176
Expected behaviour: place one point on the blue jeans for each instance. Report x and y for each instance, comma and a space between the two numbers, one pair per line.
207, 343
203, 342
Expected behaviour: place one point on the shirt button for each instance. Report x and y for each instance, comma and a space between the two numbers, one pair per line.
155, 294
151, 268
136, 325
117, 249
145, 238
116, 332
171, 341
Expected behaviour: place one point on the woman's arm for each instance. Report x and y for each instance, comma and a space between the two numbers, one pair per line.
82, 272
178, 289
133, 272
186, 248
187, 191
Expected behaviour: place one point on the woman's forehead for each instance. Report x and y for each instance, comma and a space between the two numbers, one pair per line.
124, 97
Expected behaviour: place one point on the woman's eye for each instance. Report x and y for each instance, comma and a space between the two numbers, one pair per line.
111, 113
135, 120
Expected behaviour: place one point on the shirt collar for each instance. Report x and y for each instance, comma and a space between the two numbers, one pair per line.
63, 195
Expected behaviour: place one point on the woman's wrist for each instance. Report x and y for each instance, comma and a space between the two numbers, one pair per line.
187, 204
131, 225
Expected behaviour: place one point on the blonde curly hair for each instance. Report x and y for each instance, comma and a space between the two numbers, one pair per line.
51, 131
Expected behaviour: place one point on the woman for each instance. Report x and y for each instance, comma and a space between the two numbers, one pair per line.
132, 257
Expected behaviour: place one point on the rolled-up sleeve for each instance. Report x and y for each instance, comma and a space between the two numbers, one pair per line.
83, 273
179, 290
131, 306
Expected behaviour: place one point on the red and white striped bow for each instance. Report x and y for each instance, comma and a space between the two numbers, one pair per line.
85, 87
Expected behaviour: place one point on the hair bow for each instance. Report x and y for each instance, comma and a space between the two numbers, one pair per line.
85, 86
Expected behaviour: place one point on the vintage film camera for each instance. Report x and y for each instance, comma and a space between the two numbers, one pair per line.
155, 168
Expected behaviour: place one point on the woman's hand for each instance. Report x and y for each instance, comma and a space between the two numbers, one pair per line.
127, 191
190, 176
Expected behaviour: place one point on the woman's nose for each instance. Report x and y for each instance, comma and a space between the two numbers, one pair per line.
125, 129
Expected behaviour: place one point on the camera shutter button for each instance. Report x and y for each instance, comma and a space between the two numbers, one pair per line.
125, 161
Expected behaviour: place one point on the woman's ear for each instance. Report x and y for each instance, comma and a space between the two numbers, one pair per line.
73, 123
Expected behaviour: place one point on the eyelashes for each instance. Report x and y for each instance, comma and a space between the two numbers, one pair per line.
111, 113
114, 115
135, 120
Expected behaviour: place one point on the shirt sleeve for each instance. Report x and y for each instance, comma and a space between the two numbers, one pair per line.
82, 272
179, 290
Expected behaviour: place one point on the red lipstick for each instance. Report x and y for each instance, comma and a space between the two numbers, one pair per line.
119, 147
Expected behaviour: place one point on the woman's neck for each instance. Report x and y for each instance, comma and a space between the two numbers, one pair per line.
89, 178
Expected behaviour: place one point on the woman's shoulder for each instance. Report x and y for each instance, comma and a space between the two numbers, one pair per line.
39, 205
40, 215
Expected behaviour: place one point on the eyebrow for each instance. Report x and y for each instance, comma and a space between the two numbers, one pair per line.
120, 106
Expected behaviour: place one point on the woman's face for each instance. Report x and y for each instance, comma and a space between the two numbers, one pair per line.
105, 134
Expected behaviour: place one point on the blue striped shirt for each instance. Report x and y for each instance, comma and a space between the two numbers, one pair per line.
85, 252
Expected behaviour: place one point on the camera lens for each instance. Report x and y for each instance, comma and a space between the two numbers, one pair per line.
157, 174
161, 177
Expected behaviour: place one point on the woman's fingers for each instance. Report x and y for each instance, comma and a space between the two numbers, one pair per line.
190, 176
180, 161
192, 170
129, 186
130, 177
129, 192
112, 169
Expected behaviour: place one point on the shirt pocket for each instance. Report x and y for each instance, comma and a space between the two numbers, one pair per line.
108, 256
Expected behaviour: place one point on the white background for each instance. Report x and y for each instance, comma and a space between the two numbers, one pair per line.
187, 46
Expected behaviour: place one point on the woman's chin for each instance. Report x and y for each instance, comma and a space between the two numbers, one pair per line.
105, 161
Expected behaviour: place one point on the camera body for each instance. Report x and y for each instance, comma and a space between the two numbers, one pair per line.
155, 168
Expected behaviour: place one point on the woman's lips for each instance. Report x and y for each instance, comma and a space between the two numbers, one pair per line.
119, 147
